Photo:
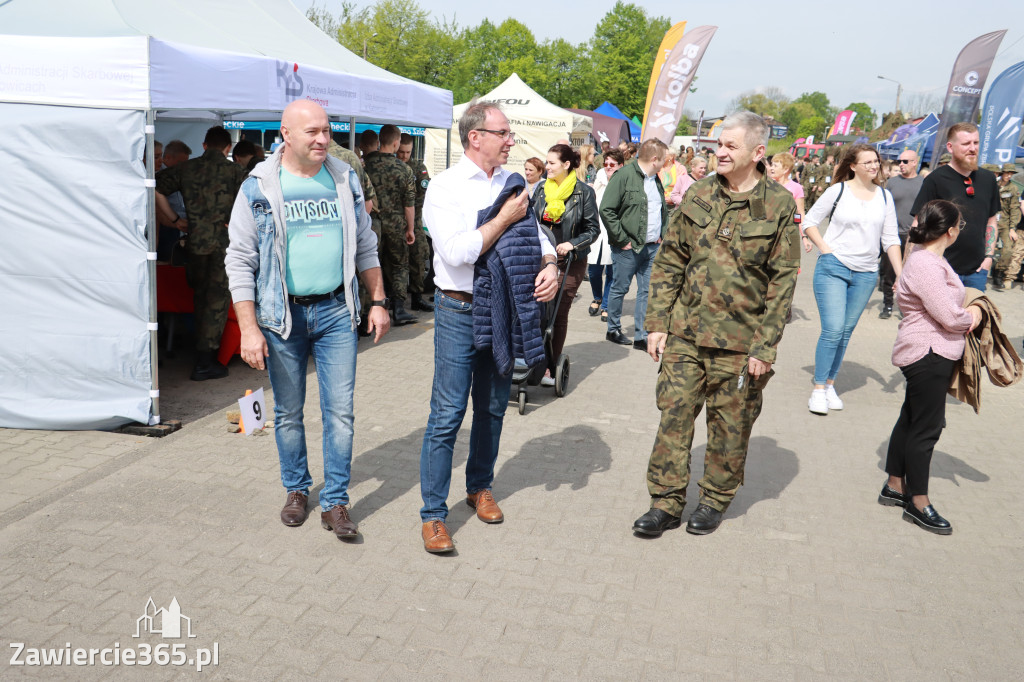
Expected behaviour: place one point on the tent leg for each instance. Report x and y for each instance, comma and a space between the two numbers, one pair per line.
153, 234
352, 134
448, 150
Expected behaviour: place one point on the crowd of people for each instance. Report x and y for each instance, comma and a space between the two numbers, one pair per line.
712, 239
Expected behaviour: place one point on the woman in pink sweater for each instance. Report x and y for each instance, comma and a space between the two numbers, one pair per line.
929, 342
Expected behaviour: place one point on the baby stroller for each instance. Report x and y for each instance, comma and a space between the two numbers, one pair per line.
523, 376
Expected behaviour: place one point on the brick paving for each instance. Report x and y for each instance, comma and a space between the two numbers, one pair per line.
808, 578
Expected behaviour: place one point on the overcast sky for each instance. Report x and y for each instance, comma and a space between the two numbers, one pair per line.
839, 48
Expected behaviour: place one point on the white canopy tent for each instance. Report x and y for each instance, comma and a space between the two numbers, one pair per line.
537, 123
82, 84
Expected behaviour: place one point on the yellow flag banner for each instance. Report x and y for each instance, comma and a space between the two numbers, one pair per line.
674, 82
672, 37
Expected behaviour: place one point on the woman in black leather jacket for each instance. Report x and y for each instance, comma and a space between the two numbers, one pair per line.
569, 209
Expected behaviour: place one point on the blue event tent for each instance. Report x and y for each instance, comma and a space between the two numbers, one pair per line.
609, 109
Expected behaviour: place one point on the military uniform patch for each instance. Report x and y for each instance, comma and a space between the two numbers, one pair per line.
703, 204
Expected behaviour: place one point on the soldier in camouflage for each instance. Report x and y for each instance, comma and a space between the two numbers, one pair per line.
396, 200
1009, 218
809, 179
721, 289
1016, 230
824, 179
208, 185
353, 160
420, 253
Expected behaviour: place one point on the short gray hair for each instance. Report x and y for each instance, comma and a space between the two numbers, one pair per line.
473, 117
755, 129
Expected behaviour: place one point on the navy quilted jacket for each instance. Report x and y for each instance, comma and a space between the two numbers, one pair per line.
506, 316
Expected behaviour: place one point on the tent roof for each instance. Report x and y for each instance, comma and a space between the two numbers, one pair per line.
519, 100
606, 128
609, 109
210, 35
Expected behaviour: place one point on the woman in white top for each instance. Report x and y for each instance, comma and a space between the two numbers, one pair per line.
862, 214
600, 256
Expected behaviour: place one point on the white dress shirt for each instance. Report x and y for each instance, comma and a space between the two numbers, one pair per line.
653, 208
450, 210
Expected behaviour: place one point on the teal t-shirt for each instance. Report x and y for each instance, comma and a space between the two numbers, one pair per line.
315, 246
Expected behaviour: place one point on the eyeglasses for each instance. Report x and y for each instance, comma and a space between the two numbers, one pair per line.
611, 164
970, 186
507, 135
869, 163
903, 161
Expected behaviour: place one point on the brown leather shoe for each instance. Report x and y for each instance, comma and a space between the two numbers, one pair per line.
486, 508
436, 539
294, 512
336, 518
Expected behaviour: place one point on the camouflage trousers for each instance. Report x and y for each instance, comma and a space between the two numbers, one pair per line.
1002, 261
419, 264
394, 258
691, 378
211, 298
1016, 257
364, 294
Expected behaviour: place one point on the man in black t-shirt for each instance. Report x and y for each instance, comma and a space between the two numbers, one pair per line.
975, 192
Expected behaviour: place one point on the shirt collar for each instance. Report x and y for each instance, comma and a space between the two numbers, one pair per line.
757, 196
468, 169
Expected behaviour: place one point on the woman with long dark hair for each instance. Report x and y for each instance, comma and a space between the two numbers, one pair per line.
860, 213
929, 342
568, 207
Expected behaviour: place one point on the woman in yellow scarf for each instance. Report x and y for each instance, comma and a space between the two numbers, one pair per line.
568, 208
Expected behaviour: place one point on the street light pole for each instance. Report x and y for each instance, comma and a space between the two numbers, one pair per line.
899, 90
366, 40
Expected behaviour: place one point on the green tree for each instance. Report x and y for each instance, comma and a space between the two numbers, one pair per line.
819, 102
865, 119
566, 70
769, 101
815, 125
794, 113
622, 51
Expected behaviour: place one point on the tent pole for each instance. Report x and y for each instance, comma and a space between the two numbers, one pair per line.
152, 232
352, 133
448, 150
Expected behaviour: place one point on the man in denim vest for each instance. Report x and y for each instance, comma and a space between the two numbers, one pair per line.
299, 234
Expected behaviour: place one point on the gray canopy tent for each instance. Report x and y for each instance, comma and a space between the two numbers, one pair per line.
82, 85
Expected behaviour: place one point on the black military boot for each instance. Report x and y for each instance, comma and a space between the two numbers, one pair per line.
999, 280
403, 316
420, 303
207, 367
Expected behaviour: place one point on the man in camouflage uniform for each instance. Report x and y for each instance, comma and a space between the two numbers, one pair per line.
809, 179
370, 197
396, 214
1009, 219
208, 186
420, 252
721, 288
824, 178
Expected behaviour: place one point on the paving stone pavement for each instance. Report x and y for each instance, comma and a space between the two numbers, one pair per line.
808, 578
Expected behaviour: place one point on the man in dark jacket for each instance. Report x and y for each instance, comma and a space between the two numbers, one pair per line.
634, 213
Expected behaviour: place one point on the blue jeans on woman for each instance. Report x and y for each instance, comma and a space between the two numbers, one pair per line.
459, 370
325, 330
596, 273
841, 294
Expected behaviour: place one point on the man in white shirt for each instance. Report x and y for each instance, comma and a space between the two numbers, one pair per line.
450, 211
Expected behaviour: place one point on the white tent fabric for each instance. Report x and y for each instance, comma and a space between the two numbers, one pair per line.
537, 123
80, 83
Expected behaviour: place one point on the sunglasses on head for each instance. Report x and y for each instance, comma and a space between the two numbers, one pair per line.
970, 186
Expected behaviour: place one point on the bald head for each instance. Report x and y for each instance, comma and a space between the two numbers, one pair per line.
306, 133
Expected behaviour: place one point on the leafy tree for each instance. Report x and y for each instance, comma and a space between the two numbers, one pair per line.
566, 74
819, 102
796, 112
865, 119
622, 51
815, 125
769, 101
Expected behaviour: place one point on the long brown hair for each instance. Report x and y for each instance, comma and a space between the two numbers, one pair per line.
844, 171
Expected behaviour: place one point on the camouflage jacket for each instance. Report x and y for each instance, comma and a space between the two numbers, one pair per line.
419, 171
811, 175
824, 179
1009, 203
352, 159
724, 276
208, 186
394, 182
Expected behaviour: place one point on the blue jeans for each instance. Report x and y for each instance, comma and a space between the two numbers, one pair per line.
459, 370
596, 274
629, 263
977, 280
325, 330
841, 294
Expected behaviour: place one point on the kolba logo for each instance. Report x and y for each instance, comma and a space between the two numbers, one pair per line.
288, 77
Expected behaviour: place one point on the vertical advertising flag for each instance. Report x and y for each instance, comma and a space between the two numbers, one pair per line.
1001, 117
844, 119
673, 84
963, 96
670, 40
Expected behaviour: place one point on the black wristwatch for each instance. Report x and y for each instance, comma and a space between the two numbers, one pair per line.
386, 303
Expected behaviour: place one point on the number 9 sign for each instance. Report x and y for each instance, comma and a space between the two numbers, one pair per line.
251, 408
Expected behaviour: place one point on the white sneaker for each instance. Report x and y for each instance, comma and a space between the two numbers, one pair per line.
547, 380
834, 402
818, 403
